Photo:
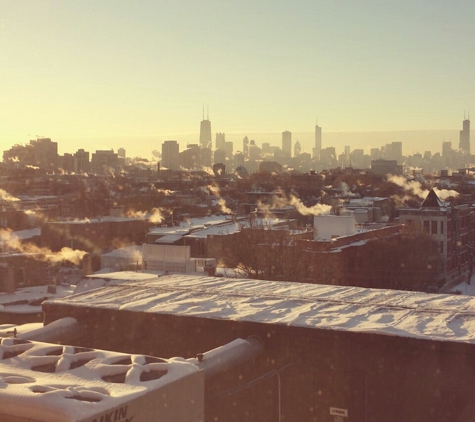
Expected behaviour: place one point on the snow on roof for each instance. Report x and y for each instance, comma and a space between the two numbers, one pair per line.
99, 220
231, 227
27, 234
125, 252
185, 227
177, 230
168, 238
67, 383
393, 312
222, 229
28, 300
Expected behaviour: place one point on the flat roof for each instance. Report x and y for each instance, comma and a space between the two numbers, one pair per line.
440, 317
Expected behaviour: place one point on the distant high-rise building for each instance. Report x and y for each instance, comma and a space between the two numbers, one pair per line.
206, 157
66, 162
254, 152
191, 157
220, 140
238, 159
228, 147
347, 152
81, 162
446, 148
393, 151
287, 143
121, 153
375, 153
297, 149
464, 144
46, 153
219, 156
245, 146
170, 155
318, 142
104, 161
205, 132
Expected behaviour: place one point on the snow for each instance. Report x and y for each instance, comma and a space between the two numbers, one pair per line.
102, 219
407, 314
18, 302
27, 234
185, 227
169, 238
77, 374
125, 252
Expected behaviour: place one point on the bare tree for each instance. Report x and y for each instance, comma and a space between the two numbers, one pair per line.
260, 252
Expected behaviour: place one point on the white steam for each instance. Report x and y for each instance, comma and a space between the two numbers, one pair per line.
5, 196
281, 200
10, 242
415, 188
214, 189
155, 216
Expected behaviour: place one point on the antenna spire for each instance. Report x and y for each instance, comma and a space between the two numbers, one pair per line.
203, 111
207, 115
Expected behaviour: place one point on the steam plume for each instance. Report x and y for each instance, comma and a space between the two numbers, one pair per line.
281, 200
415, 188
5, 196
9, 241
214, 189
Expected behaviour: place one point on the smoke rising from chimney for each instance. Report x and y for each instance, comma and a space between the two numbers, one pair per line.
280, 200
10, 242
415, 188
214, 189
5, 196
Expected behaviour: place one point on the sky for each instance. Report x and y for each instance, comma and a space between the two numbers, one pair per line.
112, 73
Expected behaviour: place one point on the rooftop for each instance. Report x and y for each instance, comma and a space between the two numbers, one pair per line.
392, 312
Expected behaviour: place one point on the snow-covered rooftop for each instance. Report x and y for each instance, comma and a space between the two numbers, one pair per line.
28, 300
392, 312
185, 227
125, 252
27, 234
100, 220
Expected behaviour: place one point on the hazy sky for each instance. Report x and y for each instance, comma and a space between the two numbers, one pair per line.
84, 72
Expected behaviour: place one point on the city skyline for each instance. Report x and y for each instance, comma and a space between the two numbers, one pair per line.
116, 70
143, 145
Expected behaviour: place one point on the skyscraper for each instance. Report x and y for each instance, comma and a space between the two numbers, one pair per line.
220, 140
205, 132
464, 144
318, 142
287, 143
245, 146
297, 149
171, 155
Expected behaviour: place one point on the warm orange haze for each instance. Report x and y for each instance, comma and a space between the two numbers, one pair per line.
94, 74
258, 211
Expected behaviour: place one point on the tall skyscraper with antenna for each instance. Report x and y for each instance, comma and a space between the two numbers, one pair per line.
205, 131
464, 143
